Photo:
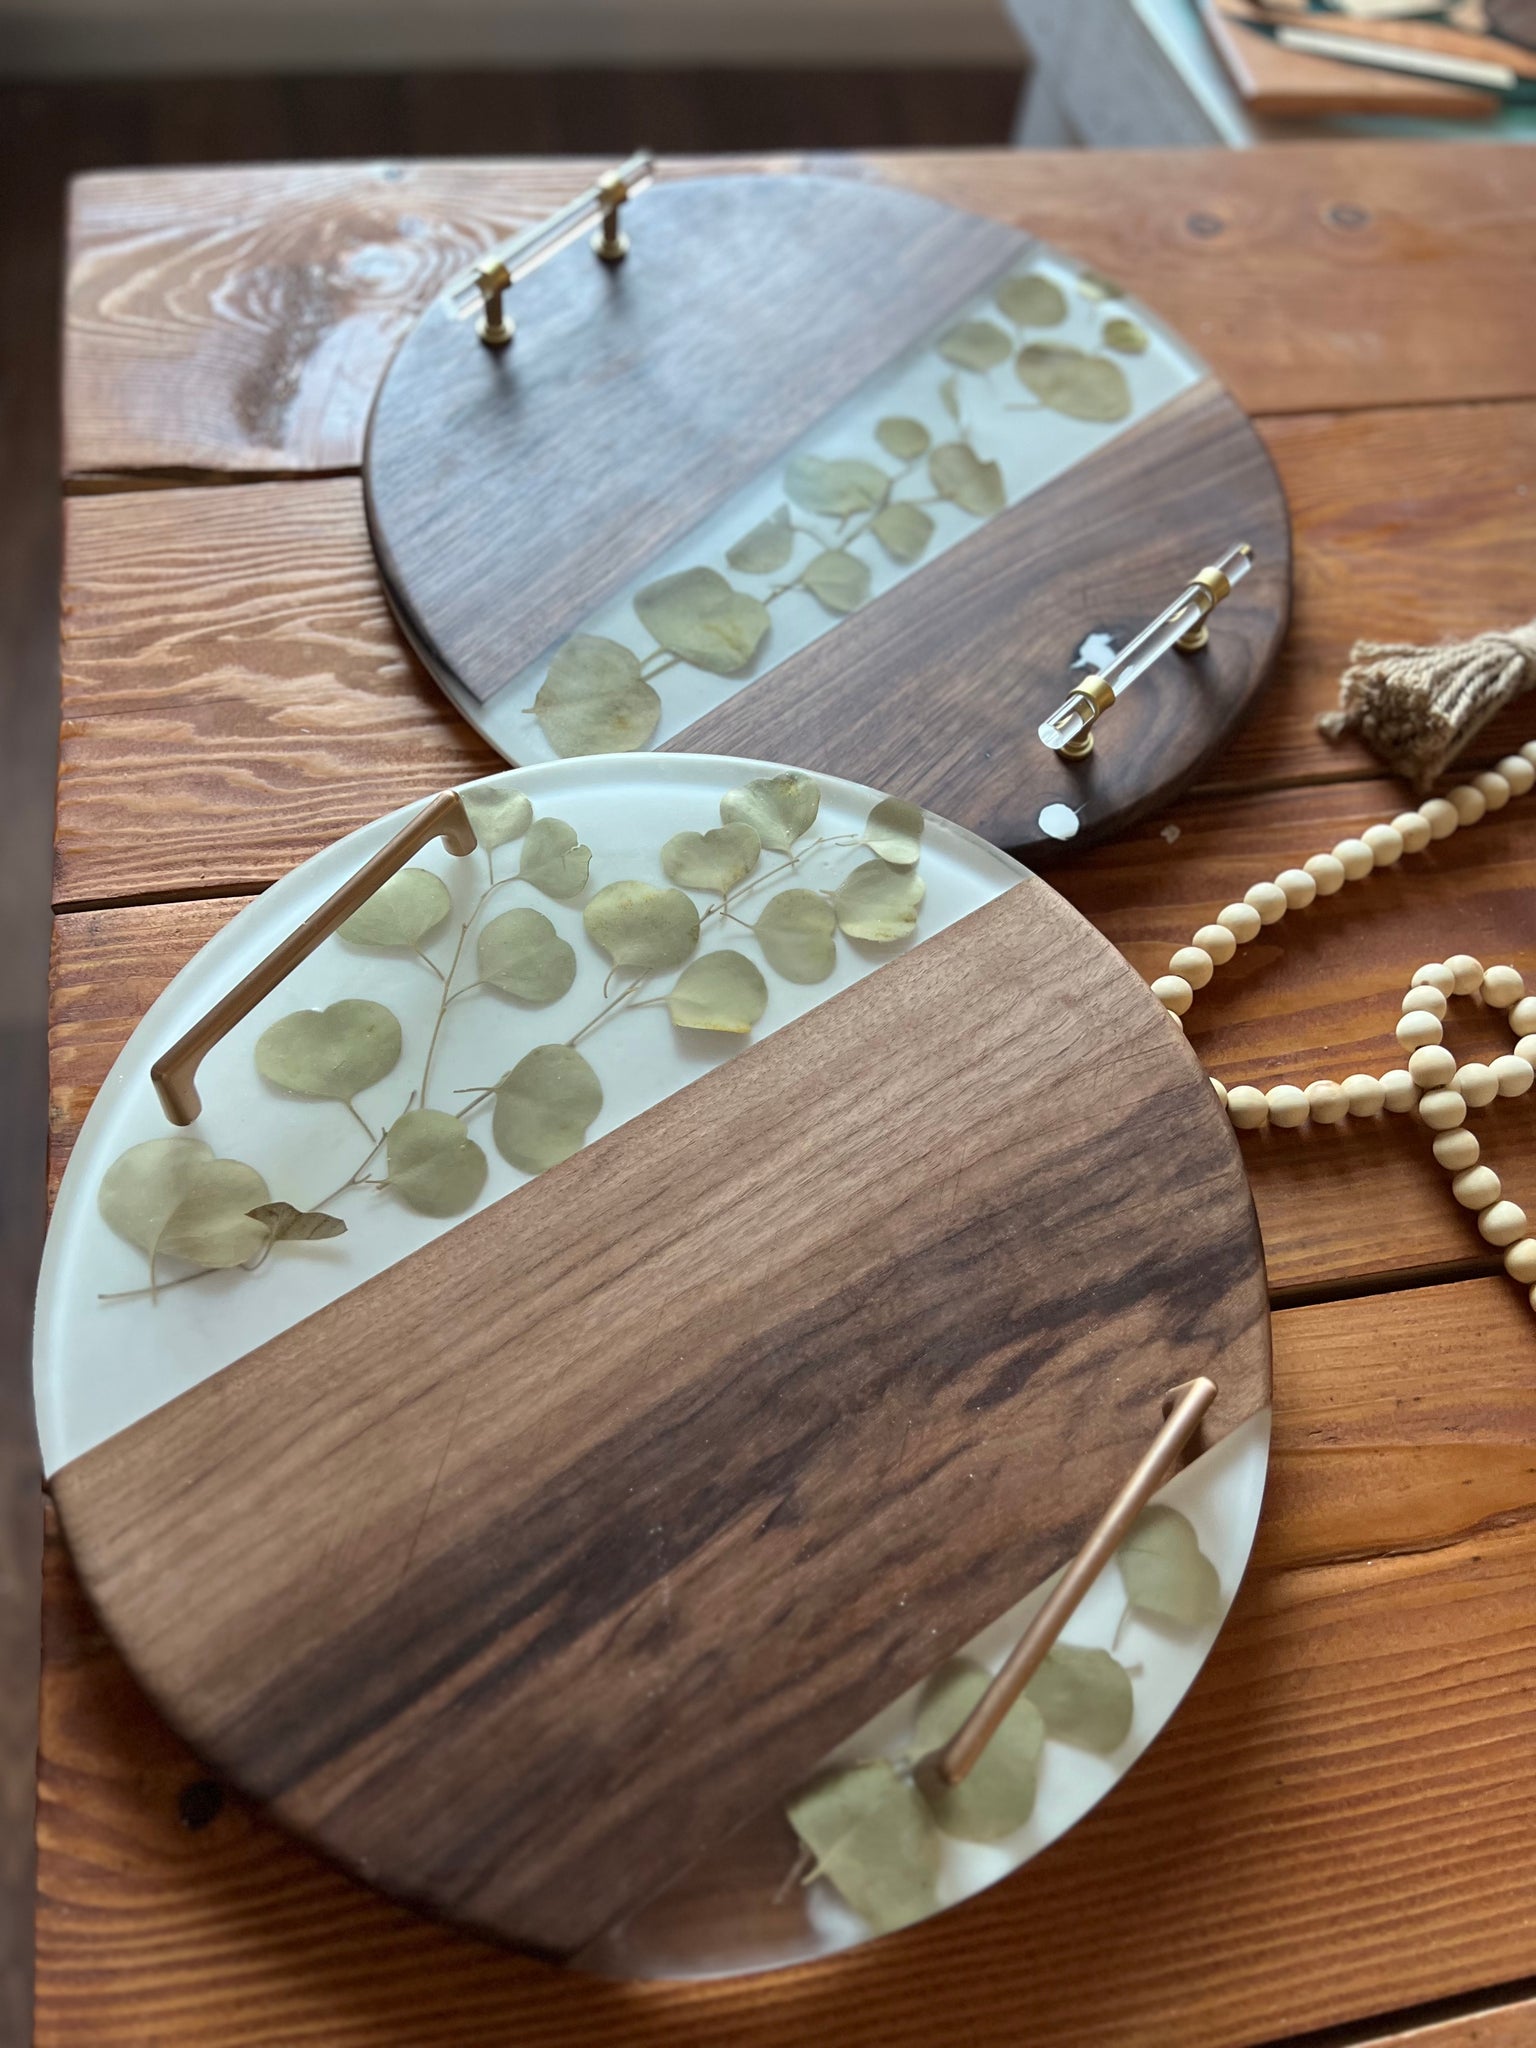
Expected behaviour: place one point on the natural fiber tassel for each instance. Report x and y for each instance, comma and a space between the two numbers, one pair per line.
1417, 707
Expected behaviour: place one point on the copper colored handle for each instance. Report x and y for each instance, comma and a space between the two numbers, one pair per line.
1183, 1409
174, 1073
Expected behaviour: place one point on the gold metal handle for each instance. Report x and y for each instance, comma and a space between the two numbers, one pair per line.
174, 1073
1182, 1410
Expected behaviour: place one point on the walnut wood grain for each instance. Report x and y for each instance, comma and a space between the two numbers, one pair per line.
785, 1392
1371, 1704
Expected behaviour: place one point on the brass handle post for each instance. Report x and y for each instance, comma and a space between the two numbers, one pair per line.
175, 1072
1183, 1410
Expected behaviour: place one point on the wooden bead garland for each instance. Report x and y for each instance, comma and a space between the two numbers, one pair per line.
1433, 1083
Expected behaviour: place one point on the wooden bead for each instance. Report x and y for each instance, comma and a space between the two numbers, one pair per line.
1326, 1102
1441, 815
1216, 940
1192, 964
1517, 772
1220, 1089
1288, 1106
1529, 750
1476, 1084
1495, 790
1327, 872
1385, 842
1502, 987
1520, 1260
1413, 828
1467, 973
1364, 1094
1355, 858
1268, 899
1478, 1187
1457, 1150
1297, 886
1468, 803
1247, 1108
1419, 1028
1502, 1223
1525, 1048
1522, 1016
1241, 920
1434, 974
1513, 1074
1432, 1066
1398, 1091
1173, 992
1442, 1109
1425, 998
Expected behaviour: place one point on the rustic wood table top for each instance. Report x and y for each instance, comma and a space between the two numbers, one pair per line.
1341, 1821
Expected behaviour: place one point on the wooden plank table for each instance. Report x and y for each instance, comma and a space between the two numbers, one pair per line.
1341, 1822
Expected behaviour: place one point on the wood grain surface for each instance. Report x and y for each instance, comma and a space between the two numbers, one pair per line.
760, 1380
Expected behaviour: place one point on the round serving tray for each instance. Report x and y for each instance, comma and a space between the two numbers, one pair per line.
804, 1274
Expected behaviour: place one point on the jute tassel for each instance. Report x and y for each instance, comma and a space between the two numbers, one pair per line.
1417, 707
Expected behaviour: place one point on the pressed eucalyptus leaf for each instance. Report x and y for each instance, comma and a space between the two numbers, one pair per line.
1093, 284
1032, 301
498, 815
523, 955
287, 1225
959, 474
718, 992
543, 1108
766, 548
642, 928
894, 830
838, 580
1084, 1696
998, 1796
879, 903
433, 1163
903, 530
797, 934
330, 1054
140, 1191
1125, 337
594, 699
1166, 1573
836, 490
1071, 382
905, 439
779, 808
873, 1838
400, 912
702, 619
211, 1226
975, 345
949, 398
554, 860
717, 859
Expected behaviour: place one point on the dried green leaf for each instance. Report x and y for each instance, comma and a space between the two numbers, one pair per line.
1125, 337
903, 530
839, 580
543, 1108
975, 345
1080, 386
1032, 301
331, 1054
1093, 284
594, 699
141, 1191
642, 928
554, 860
905, 439
400, 912
1084, 1696
894, 830
779, 808
998, 1796
523, 955
433, 1163
498, 815
766, 548
960, 475
796, 932
949, 398
717, 859
874, 1839
1166, 1573
718, 992
836, 490
287, 1225
211, 1226
702, 619
879, 903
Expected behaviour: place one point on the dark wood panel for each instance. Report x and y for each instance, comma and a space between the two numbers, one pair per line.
686, 1487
